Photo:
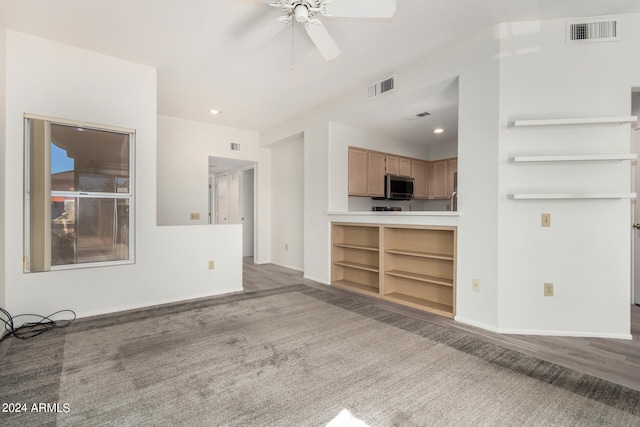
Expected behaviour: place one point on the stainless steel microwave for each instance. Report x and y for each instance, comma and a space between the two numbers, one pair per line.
398, 187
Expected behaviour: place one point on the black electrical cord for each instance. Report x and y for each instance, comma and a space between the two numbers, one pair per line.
32, 329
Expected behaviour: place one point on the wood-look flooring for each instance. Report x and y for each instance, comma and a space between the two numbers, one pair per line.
614, 360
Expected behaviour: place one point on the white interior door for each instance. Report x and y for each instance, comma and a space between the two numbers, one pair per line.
635, 294
222, 199
247, 212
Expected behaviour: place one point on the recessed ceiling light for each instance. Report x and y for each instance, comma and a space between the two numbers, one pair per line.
214, 112
438, 130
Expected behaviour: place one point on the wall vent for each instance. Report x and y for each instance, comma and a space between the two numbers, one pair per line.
381, 87
593, 30
235, 146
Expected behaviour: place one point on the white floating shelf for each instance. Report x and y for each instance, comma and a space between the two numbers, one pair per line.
577, 121
573, 158
541, 196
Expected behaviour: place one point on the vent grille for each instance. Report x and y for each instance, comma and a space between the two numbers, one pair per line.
417, 116
594, 30
235, 146
381, 87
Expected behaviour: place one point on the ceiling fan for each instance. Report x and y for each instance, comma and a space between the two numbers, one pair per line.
305, 11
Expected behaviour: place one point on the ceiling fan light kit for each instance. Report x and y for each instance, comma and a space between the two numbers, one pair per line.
304, 11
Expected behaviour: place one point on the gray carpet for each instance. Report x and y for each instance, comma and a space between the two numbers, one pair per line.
288, 357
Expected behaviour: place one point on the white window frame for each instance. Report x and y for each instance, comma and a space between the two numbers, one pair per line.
78, 194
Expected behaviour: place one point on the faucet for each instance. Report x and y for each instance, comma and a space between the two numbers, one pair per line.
453, 197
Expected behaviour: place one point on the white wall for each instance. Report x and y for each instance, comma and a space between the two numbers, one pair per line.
3, 142
57, 80
586, 252
509, 72
287, 205
474, 60
184, 147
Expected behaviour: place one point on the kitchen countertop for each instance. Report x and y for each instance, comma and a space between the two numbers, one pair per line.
398, 213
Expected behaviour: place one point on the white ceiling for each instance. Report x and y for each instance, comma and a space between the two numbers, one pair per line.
196, 46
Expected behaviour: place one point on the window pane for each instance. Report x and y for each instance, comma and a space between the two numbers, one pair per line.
63, 230
89, 160
86, 230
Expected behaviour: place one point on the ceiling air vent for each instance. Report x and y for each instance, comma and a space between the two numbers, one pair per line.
235, 146
593, 30
380, 87
417, 116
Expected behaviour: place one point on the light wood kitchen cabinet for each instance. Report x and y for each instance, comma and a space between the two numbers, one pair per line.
376, 174
366, 172
452, 170
358, 171
441, 178
419, 172
411, 265
404, 166
367, 169
391, 165
396, 165
439, 182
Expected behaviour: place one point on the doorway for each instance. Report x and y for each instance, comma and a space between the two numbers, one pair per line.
232, 197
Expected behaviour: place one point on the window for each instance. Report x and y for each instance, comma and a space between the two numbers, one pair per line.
78, 194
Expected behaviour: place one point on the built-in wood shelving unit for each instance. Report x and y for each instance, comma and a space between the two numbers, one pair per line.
577, 121
416, 265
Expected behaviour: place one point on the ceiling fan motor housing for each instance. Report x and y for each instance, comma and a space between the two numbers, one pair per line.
301, 13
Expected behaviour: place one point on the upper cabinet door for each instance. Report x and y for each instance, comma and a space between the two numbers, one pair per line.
419, 171
376, 174
358, 171
440, 179
391, 165
404, 166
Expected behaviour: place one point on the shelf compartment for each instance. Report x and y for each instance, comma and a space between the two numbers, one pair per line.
357, 287
357, 266
359, 247
420, 254
358, 236
415, 241
422, 304
573, 158
426, 296
357, 277
442, 281
577, 121
356, 258
542, 196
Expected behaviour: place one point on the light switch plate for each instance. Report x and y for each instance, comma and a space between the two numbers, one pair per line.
545, 220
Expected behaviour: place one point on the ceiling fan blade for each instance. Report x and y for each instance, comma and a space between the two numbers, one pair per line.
360, 8
321, 38
262, 37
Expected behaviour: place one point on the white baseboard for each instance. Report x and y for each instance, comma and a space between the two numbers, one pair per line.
476, 324
539, 332
578, 334
158, 302
316, 279
287, 266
